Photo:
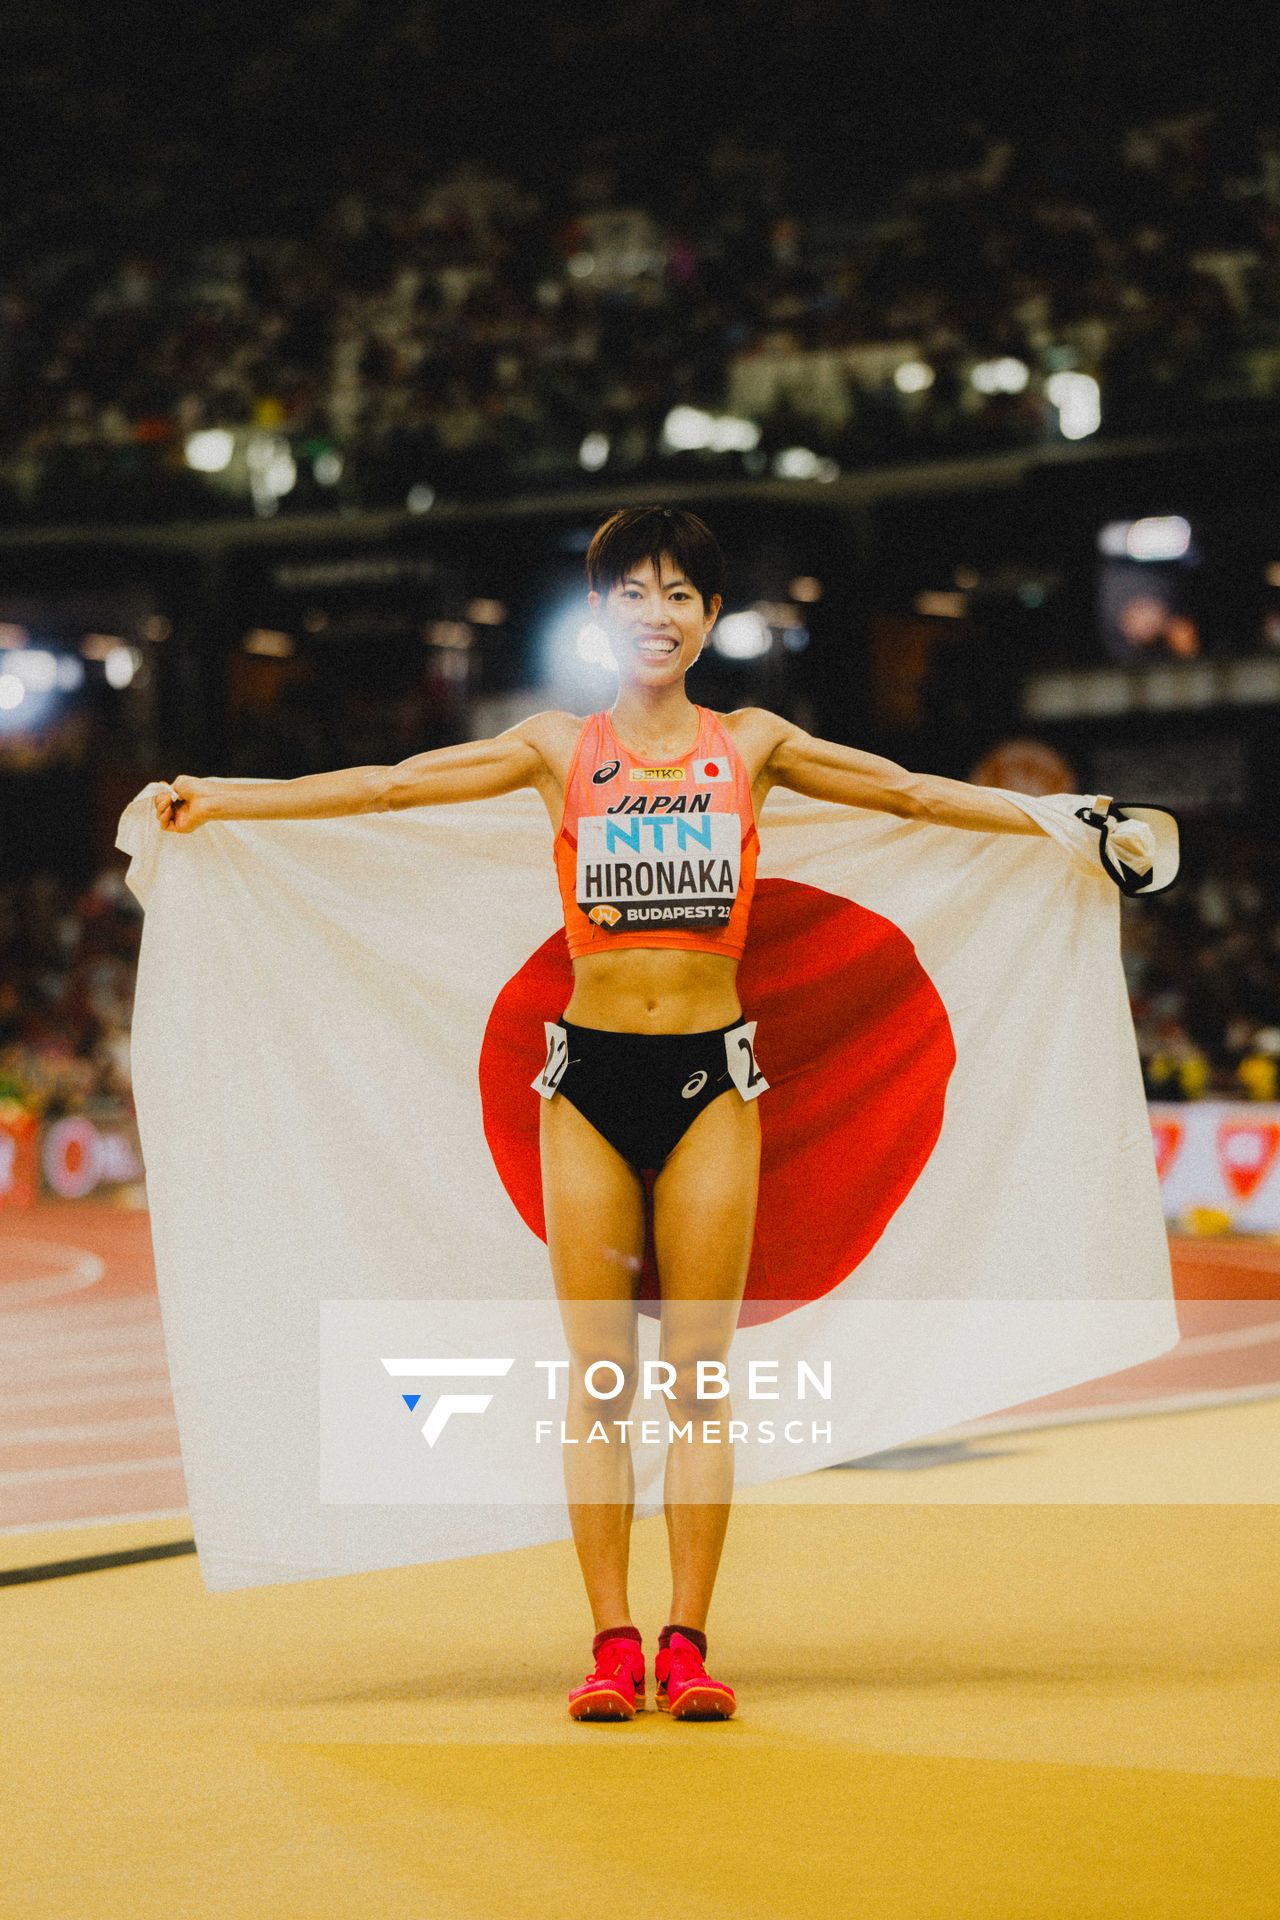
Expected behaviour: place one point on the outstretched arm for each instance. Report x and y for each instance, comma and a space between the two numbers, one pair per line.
472, 770
825, 771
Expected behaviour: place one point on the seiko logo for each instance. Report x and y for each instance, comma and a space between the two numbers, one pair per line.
606, 772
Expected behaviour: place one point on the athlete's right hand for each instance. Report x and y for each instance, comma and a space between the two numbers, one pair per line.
183, 804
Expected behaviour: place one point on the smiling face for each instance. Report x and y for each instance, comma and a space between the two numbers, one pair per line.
656, 622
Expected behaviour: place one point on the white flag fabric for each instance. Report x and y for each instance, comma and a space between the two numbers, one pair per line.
336, 1030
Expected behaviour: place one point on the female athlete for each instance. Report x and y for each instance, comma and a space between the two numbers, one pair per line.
654, 806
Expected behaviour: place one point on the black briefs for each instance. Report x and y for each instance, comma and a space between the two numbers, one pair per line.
642, 1090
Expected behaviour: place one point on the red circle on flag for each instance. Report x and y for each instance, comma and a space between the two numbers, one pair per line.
712, 770
857, 1048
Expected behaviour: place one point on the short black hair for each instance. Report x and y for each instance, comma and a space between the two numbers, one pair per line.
647, 533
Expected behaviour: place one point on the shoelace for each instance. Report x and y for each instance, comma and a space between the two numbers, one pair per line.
619, 1672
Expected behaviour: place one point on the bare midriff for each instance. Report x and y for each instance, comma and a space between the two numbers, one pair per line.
654, 990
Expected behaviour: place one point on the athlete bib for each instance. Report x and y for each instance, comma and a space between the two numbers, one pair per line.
656, 855
663, 870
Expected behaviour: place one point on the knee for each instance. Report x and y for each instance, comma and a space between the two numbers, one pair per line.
604, 1380
700, 1390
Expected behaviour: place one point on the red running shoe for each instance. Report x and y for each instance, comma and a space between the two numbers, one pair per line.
615, 1690
685, 1690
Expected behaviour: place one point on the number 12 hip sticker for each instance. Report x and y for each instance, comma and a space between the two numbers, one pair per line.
740, 1053
557, 1060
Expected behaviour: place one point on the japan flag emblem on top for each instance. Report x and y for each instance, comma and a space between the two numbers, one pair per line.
711, 770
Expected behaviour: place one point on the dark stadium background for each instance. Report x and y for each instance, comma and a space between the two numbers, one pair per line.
327, 334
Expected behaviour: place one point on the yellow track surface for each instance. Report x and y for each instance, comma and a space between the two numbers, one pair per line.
950, 1708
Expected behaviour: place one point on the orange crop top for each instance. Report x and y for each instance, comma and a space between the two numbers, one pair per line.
656, 855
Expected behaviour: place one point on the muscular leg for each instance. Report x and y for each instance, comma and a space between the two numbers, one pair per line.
704, 1208
594, 1205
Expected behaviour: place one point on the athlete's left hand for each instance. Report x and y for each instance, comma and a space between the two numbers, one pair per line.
1133, 842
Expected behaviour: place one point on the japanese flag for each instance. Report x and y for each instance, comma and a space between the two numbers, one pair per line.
711, 772
336, 1030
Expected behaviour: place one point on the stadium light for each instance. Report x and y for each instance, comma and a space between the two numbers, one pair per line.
913, 376
593, 452
327, 467
691, 430
268, 642
591, 643
1161, 537
796, 463
30, 677
741, 636
940, 606
1078, 398
120, 666
574, 651
1005, 375
802, 463
210, 450
687, 430
35, 669
729, 434
273, 471
420, 499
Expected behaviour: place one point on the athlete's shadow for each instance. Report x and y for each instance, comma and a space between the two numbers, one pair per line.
498, 1680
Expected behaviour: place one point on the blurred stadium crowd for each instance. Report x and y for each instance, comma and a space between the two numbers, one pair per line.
68, 959
440, 331
700, 242
1202, 963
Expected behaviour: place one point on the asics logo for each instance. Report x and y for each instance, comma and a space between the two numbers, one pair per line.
694, 1084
